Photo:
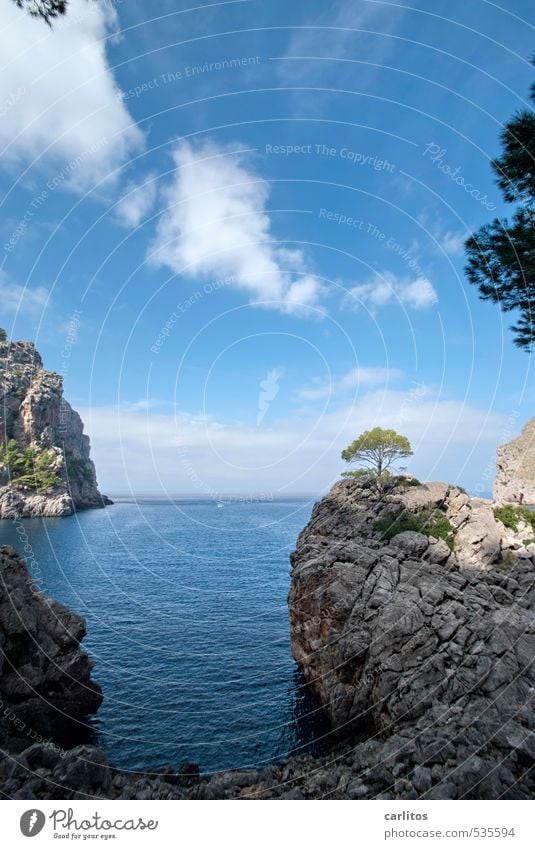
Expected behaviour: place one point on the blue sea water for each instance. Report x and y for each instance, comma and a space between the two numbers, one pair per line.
187, 622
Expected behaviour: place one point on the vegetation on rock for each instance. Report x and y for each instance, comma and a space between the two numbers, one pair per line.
512, 516
432, 523
29, 467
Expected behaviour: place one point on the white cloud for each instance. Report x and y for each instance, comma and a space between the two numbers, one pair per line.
22, 299
215, 223
335, 32
386, 289
61, 102
136, 203
147, 452
356, 378
452, 243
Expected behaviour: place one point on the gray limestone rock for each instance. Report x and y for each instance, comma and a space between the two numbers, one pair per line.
33, 412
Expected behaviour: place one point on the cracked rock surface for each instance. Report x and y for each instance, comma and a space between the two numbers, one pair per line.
421, 656
34, 412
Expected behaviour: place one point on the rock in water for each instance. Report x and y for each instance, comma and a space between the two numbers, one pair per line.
515, 462
35, 416
45, 677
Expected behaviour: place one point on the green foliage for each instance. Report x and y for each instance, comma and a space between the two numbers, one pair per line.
402, 480
432, 523
3, 335
378, 449
360, 474
501, 255
512, 515
77, 468
528, 541
29, 467
46, 9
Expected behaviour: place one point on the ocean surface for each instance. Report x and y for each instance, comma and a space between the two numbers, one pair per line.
187, 622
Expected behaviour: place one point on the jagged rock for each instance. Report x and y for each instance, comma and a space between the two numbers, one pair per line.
417, 647
515, 463
45, 678
432, 660
478, 541
411, 542
34, 412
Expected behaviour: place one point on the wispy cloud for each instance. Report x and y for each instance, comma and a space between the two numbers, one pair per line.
21, 299
215, 222
136, 203
386, 289
354, 379
149, 452
452, 242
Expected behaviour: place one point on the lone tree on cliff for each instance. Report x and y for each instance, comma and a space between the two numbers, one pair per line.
501, 255
378, 450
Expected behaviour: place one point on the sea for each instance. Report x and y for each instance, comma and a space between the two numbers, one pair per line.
187, 623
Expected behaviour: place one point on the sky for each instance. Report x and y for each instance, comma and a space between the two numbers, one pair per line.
237, 230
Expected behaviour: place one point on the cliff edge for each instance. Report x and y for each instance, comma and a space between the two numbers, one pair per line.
45, 463
412, 616
515, 461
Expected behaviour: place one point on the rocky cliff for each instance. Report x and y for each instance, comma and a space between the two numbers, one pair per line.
45, 678
515, 478
418, 643
412, 616
45, 464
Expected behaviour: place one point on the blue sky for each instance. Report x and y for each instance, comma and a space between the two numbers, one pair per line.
238, 231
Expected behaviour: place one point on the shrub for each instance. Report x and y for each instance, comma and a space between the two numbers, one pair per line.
402, 480
29, 467
432, 523
512, 516
77, 468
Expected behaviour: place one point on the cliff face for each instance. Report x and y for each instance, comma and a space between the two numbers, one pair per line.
434, 659
45, 678
406, 637
515, 479
36, 416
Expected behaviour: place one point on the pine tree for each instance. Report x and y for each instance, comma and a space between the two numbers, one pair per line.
46, 9
501, 255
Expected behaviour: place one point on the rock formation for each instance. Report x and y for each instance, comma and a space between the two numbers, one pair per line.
45, 678
425, 643
515, 462
36, 418
419, 647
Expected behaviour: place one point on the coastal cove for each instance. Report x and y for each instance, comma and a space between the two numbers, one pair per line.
187, 622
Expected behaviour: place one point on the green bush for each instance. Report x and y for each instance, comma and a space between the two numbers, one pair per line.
432, 523
512, 515
359, 474
402, 480
77, 468
29, 467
